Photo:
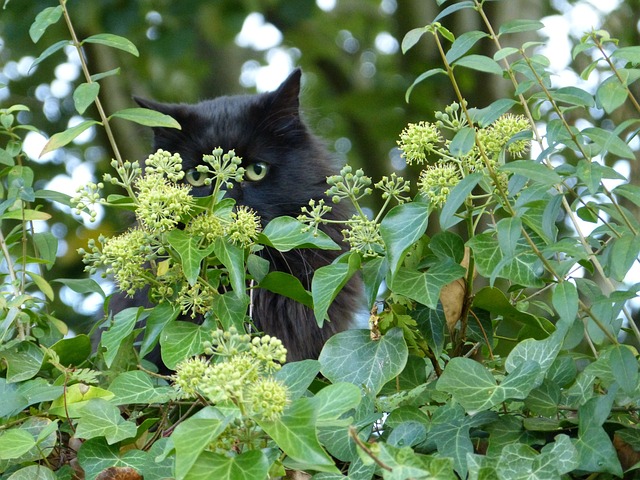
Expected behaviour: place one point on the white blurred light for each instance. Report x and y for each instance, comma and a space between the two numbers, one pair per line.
258, 34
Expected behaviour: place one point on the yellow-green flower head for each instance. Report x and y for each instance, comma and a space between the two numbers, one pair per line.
245, 226
496, 137
364, 236
437, 181
269, 351
417, 140
395, 187
124, 256
189, 376
165, 164
228, 379
161, 205
196, 299
207, 226
267, 398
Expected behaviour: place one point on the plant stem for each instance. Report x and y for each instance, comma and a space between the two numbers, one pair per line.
87, 75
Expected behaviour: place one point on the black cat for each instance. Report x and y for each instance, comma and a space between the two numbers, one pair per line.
286, 166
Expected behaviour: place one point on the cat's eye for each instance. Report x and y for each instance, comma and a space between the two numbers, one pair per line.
256, 171
196, 178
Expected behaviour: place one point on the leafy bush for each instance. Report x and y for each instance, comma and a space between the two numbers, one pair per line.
501, 347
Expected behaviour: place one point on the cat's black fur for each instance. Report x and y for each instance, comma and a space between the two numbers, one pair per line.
268, 128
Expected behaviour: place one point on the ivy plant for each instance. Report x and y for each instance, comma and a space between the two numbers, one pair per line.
502, 346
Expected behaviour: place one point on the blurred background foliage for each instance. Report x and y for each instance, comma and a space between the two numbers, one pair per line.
354, 84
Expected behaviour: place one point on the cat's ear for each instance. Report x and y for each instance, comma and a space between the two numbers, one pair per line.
177, 111
285, 101
170, 109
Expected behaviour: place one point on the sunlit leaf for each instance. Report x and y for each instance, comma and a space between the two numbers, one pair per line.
61, 139
146, 117
47, 17
84, 95
114, 41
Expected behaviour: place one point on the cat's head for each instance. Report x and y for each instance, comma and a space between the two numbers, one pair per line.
285, 164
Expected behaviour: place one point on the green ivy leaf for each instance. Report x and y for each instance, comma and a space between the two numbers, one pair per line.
38, 390
491, 262
191, 255
99, 418
180, 340
447, 245
61, 139
123, 324
433, 325
596, 453
328, 281
113, 41
352, 356
374, 272
624, 368
295, 433
232, 257
250, 465
335, 400
541, 352
136, 387
474, 387
95, 455
13, 401
159, 317
297, 376
287, 285
33, 472
565, 301
146, 117
231, 309
23, 361
192, 436
84, 95
424, 287
15, 442
401, 227
286, 233
73, 351
47, 17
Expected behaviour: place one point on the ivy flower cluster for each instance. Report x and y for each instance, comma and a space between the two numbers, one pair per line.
239, 371
142, 256
425, 143
361, 232
87, 197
